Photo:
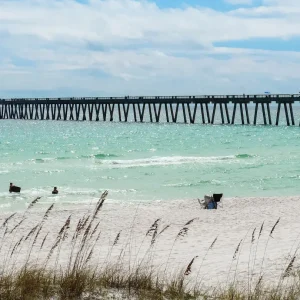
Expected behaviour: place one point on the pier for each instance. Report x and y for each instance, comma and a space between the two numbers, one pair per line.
231, 109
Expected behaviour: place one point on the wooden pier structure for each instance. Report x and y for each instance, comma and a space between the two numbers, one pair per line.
193, 109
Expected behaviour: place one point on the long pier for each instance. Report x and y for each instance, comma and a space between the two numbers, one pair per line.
193, 109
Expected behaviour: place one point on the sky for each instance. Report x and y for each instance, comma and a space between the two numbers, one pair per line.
56, 48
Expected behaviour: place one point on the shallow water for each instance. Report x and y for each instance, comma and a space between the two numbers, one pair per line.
144, 161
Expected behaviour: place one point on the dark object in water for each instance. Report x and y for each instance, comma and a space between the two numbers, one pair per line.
55, 191
15, 189
217, 197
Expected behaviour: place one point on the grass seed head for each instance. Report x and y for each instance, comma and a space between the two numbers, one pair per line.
189, 267
273, 228
237, 249
7, 219
33, 202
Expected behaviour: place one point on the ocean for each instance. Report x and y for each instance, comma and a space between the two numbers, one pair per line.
144, 162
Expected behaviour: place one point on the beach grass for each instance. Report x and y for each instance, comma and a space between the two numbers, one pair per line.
82, 276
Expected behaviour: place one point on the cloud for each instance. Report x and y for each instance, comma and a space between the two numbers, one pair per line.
239, 2
134, 47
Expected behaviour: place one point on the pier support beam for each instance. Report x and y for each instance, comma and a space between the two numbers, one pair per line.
167, 113
221, 112
247, 113
97, 107
183, 112
157, 113
141, 112
174, 115
104, 111
207, 113
227, 113
150, 112
58, 112
134, 112
111, 108
242, 113
77, 110
202, 113
119, 112
263, 108
269, 113
47, 111
91, 111
288, 109
84, 105
71, 117
286, 115
125, 111
36, 111
65, 111
292, 114
192, 116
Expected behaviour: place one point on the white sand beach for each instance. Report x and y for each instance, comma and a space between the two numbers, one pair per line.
234, 221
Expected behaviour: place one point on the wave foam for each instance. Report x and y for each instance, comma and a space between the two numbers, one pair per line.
163, 161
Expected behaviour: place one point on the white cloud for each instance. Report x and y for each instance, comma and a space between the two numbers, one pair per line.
116, 22
134, 47
282, 2
239, 2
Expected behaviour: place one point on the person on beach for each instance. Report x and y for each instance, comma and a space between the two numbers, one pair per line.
14, 189
55, 191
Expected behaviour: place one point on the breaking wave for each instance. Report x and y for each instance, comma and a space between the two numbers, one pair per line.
95, 156
164, 161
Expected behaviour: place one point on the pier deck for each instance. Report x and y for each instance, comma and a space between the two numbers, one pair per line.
193, 109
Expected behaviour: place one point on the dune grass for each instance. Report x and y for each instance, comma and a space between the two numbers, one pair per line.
38, 277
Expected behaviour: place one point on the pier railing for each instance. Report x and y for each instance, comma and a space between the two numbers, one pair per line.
193, 109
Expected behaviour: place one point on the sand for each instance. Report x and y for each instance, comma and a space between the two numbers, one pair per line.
233, 222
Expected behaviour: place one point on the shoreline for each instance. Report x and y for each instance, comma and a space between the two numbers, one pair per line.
88, 198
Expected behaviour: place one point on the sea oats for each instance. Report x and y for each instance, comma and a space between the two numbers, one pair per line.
288, 270
16, 245
261, 229
14, 228
189, 267
153, 227
33, 202
31, 232
212, 244
7, 219
182, 232
237, 249
47, 212
190, 222
164, 229
117, 238
44, 239
253, 236
273, 228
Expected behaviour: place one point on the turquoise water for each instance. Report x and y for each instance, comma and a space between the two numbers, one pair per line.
144, 161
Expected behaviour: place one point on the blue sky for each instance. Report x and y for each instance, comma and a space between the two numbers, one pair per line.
148, 47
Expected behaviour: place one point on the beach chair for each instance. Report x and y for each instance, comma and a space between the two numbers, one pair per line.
205, 202
217, 197
210, 202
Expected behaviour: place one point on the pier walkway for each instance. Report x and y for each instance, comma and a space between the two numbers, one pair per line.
192, 109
